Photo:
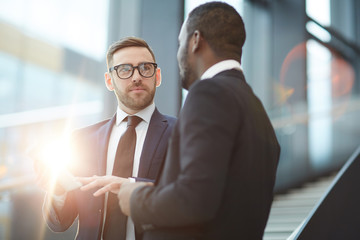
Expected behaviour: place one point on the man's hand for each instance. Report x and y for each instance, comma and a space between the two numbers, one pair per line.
125, 193
45, 177
105, 183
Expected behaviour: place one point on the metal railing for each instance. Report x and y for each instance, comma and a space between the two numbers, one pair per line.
337, 215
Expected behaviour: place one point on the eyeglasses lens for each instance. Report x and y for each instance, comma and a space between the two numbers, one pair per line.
127, 70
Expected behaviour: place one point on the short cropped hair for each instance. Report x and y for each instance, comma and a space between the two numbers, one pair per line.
124, 43
221, 26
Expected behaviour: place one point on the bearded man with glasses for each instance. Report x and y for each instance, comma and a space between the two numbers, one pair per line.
133, 76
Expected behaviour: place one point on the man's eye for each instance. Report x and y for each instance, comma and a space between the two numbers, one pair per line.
146, 67
124, 69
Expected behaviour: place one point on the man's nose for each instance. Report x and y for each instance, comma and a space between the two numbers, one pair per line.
136, 77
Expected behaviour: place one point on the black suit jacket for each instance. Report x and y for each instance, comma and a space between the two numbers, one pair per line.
91, 148
219, 173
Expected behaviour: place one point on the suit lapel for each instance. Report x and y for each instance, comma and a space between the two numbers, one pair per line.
157, 126
103, 143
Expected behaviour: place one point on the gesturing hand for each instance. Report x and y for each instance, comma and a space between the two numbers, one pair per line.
104, 183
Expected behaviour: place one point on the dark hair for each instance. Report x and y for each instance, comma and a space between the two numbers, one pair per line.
221, 26
124, 43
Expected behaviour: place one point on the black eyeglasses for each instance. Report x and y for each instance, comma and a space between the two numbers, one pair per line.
124, 71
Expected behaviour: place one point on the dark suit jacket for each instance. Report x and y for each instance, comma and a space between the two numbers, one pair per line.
91, 147
219, 173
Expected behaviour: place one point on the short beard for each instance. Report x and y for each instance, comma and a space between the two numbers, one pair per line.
187, 78
187, 75
132, 103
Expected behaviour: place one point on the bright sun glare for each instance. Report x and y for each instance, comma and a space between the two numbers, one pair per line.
56, 155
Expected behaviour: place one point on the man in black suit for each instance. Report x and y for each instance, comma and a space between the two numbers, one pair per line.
133, 76
218, 177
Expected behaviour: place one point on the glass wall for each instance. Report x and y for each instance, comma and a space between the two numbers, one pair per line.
52, 60
332, 96
43, 75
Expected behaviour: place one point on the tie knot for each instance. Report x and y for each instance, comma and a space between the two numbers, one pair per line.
133, 121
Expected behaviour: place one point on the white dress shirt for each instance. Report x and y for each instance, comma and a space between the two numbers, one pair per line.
220, 67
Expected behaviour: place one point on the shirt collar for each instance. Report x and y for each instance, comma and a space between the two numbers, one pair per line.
220, 67
145, 114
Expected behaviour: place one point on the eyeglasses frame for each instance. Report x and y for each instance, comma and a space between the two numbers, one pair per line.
133, 69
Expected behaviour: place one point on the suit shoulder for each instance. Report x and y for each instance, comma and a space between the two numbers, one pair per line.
230, 78
91, 128
229, 83
212, 87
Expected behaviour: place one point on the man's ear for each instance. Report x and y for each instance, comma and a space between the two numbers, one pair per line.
108, 82
196, 38
158, 77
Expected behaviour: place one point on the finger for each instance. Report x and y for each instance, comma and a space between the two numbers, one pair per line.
111, 187
89, 186
102, 191
86, 180
150, 184
115, 187
97, 182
